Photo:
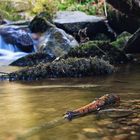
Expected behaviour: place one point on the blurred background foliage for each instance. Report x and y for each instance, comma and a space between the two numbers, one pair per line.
91, 7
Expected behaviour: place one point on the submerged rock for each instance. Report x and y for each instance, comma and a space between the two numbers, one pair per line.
33, 59
71, 67
83, 27
101, 49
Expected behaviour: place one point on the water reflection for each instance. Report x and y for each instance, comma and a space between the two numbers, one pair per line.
27, 104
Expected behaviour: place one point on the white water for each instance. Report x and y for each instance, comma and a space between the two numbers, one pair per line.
9, 53
8, 56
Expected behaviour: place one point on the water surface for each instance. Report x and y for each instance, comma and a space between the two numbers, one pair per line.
27, 104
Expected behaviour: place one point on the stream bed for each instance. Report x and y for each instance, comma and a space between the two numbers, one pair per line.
27, 104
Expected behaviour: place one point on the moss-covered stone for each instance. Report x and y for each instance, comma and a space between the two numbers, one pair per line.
71, 67
121, 40
40, 24
102, 49
33, 59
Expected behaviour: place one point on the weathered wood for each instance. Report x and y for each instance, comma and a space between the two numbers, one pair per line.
129, 7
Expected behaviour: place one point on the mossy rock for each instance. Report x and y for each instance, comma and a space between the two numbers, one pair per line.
101, 49
33, 59
121, 40
40, 23
71, 67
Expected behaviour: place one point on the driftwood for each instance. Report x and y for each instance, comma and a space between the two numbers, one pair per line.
129, 7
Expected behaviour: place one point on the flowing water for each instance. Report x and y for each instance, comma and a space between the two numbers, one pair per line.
24, 105
9, 53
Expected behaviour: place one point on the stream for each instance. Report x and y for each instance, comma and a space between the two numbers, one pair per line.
27, 104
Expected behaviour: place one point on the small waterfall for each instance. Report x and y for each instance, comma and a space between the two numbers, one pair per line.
7, 56
5, 46
9, 52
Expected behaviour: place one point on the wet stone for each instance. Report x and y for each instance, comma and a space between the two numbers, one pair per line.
113, 126
136, 120
121, 137
119, 131
103, 122
106, 138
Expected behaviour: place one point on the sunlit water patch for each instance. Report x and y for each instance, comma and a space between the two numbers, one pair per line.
24, 105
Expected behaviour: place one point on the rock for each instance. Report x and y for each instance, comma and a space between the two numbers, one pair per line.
121, 40
33, 59
71, 67
2, 20
121, 22
40, 24
121, 137
18, 37
92, 132
56, 42
53, 41
83, 27
130, 7
133, 44
101, 49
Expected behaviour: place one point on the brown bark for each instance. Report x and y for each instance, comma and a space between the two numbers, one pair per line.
129, 7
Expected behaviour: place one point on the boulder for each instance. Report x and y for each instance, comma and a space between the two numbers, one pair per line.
17, 37
71, 67
83, 27
56, 42
100, 49
120, 22
129, 7
40, 23
133, 44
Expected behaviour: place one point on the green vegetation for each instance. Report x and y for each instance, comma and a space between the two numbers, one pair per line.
102, 49
7, 12
121, 40
50, 6
91, 7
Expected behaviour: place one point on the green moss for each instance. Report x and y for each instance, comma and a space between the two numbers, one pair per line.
84, 6
101, 49
121, 40
71, 67
33, 59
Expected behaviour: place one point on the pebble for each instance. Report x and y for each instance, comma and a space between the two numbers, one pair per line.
92, 130
121, 137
